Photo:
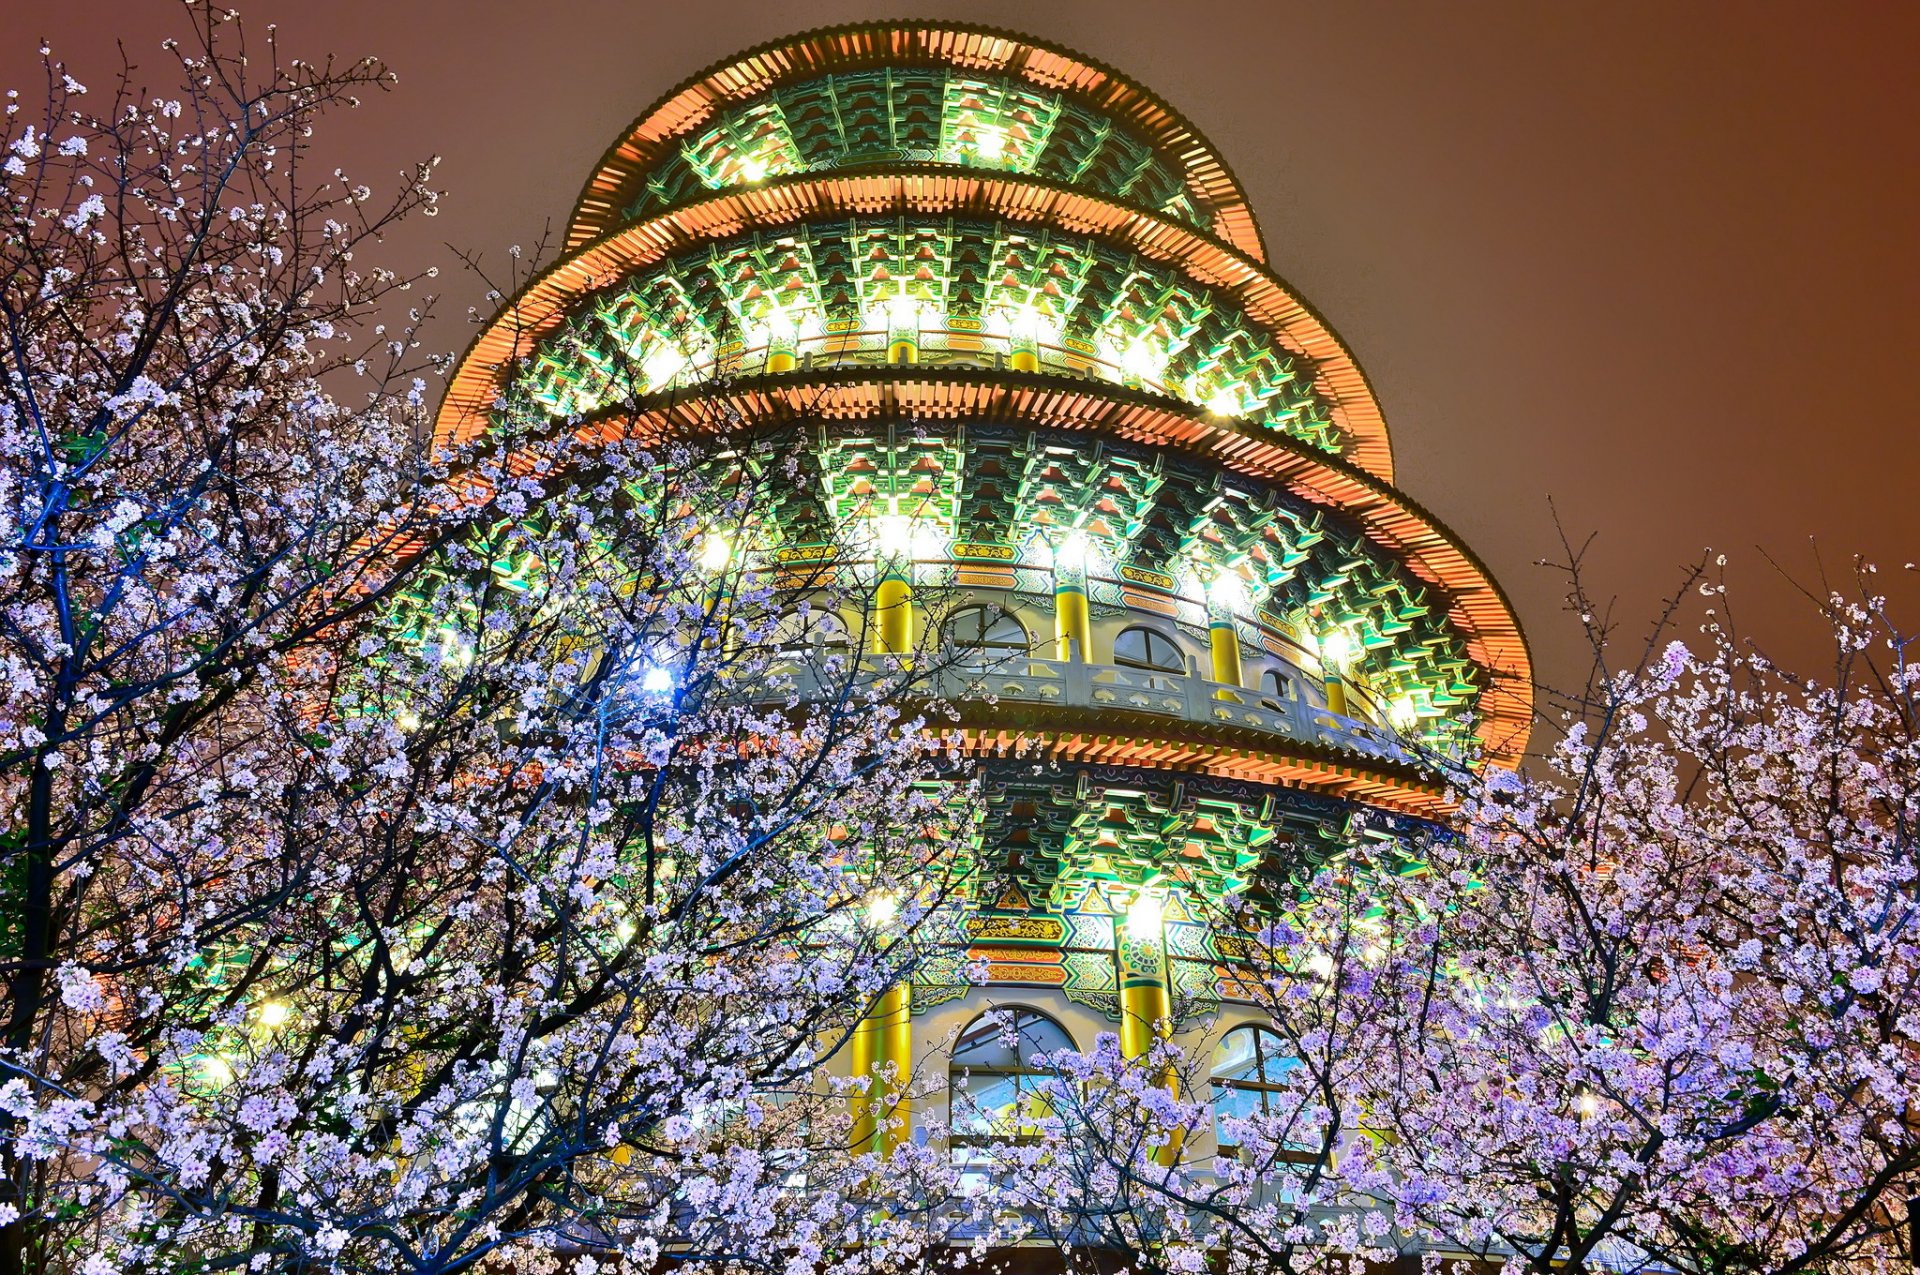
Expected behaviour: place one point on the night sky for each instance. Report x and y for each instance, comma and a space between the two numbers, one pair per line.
1654, 261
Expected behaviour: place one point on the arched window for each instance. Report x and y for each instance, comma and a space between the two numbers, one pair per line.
1276, 689
993, 1084
986, 637
805, 639
1143, 648
1250, 1067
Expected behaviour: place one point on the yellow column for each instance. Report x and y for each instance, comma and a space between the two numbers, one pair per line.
1336, 694
1225, 643
1024, 342
1146, 1004
1336, 648
893, 612
903, 330
1072, 626
781, 360
881, 1115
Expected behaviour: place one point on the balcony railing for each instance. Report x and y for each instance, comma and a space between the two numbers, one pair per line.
1185, 697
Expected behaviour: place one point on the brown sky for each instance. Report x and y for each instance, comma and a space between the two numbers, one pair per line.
1656, 261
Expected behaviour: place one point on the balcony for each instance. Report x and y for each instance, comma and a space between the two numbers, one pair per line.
1188, 697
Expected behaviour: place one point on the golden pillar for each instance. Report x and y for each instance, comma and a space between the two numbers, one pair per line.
893, 611
1072, 624
1224, 640
1146, 1003
882, 1115
903, 330
1336, 694
1336, 649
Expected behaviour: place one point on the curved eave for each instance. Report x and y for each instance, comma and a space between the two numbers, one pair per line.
1147, 742
1391, 520
517, 329
625, 165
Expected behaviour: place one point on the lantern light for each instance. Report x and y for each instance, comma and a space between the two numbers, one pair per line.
903, 313
715, 553
901, 536
1227, 591
1071, 553
1141, 360
1336, 649
1144, 916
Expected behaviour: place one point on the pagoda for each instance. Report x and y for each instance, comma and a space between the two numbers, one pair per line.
996, 288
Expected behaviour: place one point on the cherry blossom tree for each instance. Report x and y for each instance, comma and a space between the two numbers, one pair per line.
1648, 1004
1665, 1012
418, 857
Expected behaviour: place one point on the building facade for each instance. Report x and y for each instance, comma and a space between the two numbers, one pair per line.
1018, 316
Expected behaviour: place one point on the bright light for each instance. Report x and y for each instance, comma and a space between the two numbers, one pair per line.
1402, 713
1224, 403
1027, 323
217, 1070
1227, 591
1071, 553
656, 681
780, 325
893, 534
881, 910
753, 168
1336, 649
406, 719
624, 931
1321, 964
898, 536
660, 367
715, 553
1144, 916
1588, 1103
1141, 360
903, 313
990, 143
274, 1013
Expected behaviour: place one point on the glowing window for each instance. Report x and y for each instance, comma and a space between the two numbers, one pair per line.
1250, 1069
995, 1085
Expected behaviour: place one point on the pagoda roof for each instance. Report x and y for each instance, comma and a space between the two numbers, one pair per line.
546, 300
651, 138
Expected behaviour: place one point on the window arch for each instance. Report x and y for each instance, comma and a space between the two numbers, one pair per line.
1250, 1067
805, 638
993, 1085
1140, 647
986, 636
